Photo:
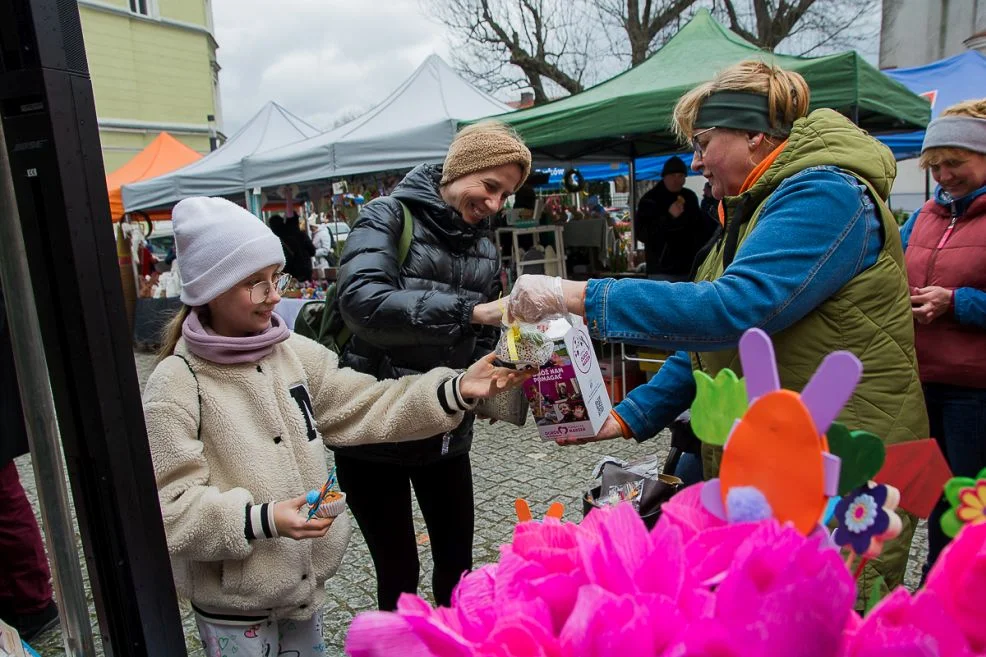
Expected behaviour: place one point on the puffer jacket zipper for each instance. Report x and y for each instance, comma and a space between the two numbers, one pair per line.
941, 243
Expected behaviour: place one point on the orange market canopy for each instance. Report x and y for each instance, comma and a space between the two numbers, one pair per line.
163, 155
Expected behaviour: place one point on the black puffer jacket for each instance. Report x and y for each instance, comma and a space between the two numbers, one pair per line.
410, 321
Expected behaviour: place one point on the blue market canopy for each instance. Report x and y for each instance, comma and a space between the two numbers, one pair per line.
943, 83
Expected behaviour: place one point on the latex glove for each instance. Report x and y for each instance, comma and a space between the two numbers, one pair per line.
483, 380
535, 298
292, 522
930, 303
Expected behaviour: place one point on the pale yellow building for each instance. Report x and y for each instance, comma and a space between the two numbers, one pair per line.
153, 67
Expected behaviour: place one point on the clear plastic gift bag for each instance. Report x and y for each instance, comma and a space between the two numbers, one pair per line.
524, 346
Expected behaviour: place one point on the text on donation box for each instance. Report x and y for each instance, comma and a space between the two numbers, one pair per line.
568, 397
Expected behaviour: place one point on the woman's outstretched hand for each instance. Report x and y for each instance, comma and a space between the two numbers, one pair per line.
610, 429
483, 379
291, 522
489, 313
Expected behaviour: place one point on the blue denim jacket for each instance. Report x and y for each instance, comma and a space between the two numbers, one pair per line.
970, 303
817, 231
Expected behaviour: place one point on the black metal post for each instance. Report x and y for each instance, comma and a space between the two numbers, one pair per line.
52, 141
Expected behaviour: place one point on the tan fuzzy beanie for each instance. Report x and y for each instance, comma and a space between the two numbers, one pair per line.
485, 145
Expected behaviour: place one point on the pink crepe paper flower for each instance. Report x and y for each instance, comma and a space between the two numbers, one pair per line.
783, 595
521, 630
691, 587
907, 625
959, 580
603, 624
615, 545
686, 512
383, 634
542, 563
473, 603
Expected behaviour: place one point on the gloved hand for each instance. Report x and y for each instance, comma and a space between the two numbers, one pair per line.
535, 298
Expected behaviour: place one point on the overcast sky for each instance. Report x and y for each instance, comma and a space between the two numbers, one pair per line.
324, 60
320, 59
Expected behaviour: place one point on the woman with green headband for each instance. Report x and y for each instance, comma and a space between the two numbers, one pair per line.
808, 251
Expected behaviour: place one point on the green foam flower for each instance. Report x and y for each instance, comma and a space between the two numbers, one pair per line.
718, 404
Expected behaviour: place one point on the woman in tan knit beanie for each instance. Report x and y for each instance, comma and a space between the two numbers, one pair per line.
408, 315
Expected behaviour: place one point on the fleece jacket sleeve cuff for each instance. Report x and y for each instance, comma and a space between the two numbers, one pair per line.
260, 521
451, 399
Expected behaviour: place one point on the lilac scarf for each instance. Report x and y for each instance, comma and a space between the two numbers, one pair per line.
231, 351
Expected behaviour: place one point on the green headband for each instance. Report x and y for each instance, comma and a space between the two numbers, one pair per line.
739, 110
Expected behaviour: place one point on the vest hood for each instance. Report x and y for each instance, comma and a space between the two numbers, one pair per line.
826, 138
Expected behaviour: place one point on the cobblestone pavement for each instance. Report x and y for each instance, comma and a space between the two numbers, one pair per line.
508, 462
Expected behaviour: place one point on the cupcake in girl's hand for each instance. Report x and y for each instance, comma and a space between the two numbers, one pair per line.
332, 504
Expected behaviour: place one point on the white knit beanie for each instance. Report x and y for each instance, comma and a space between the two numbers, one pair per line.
218, 244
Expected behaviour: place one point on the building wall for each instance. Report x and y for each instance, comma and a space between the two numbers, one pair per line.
917, 32
151, 73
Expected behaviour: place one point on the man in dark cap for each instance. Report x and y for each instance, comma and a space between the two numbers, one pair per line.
671, 225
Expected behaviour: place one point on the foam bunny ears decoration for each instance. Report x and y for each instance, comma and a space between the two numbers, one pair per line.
967, 497
776, 459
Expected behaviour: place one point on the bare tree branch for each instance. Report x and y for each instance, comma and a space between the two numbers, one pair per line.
541, 39
558, 46
809, 25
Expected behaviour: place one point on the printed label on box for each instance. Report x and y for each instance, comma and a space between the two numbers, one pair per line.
568, 397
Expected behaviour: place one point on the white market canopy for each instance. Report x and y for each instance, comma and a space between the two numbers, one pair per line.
221, 172
413, 125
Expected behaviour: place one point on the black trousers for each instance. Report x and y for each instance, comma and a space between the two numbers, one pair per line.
379, 496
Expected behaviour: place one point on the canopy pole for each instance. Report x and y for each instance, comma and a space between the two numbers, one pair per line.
258, 206
632, 202
38, 406
927, 184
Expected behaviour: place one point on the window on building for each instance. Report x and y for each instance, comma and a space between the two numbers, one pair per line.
141, 7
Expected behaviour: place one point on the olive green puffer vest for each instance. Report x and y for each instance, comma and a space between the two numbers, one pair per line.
869, 317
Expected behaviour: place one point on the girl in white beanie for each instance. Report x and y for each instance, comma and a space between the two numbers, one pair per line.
238, 411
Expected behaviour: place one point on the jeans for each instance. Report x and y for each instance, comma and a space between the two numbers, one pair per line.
689, 468
957, 416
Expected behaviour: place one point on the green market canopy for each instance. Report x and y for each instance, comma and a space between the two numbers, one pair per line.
629, 115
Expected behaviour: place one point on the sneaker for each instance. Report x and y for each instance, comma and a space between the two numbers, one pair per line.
30, 626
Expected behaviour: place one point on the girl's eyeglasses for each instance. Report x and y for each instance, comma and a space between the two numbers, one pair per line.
697, 145
260, 292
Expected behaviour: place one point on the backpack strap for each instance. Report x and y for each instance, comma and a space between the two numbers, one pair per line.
403, 248
198, 390
407, 234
